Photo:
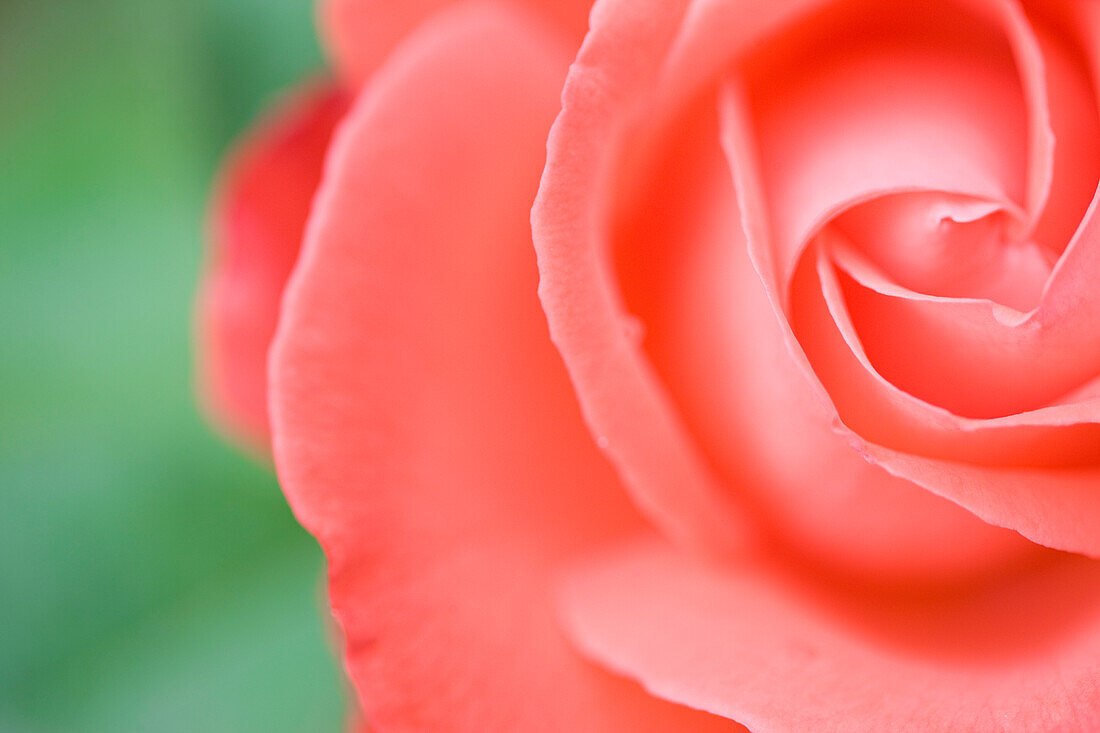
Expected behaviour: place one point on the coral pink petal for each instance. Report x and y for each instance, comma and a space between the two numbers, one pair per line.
1028, 491
638, 57
714, 33
866, 100
949, 246
1074, 115
1077, 21
425, 429
628, 410
880, 411
257, 220
709, 423
779, 654
966, 355
359, 34
738, 142
1054, 507
684, 272
987, 363
1070, 297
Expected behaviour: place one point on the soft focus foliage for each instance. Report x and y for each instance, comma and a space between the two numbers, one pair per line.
151, 578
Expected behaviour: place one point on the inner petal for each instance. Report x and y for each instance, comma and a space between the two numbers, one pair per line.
950, 246
971, 356
682, 266
881, 411
867, 100
1074, 118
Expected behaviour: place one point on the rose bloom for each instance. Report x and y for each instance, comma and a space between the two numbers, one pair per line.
789, 418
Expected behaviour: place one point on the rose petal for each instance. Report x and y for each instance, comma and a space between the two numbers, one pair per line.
863, 101
1076, 528
424, 427
710, 332
630, 415
1054, 507
257, 220
879, 411
779, 654
631, 51
714, 403
966, 355
986, 364
359, 34
1074, 117
950, 247
714, 33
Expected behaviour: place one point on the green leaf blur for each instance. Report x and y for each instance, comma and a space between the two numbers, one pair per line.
151, 577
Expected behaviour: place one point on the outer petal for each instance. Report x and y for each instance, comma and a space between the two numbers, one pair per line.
361, 33
1054, 507
629, 412
780, 654
424, 428
257, 221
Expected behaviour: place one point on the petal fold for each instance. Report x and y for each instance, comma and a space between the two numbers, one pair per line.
779, 653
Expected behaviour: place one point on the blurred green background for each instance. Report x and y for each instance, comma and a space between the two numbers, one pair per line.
151, 577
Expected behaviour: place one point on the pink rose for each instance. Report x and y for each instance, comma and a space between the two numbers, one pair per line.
825, 451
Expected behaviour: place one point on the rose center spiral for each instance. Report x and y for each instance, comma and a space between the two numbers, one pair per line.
944, 246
